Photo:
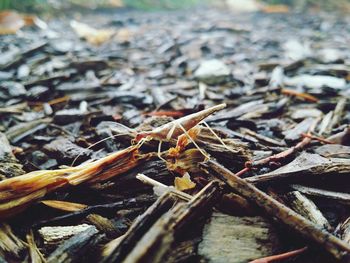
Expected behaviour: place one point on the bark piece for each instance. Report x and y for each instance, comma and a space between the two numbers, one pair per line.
334, 150
64, 150
337, 115
9, 165
104, 225
298, 130
239, 239
75, 248
306, 164
141, 226
151, 236
157, 241
22, 130
337, 196
52, 235
307, 209
344, 231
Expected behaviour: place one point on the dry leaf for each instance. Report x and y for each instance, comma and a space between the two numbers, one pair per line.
184, 183
34, 20
123, 35
116, 3
11, 22
272, 9
92, 35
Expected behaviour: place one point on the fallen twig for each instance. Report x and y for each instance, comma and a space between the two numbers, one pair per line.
305, 207
282, 256
304, 227
337, 115
338, 196
145, 179
317, 138
301, 95
283, 155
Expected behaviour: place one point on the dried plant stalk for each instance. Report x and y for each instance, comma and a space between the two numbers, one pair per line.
18, 192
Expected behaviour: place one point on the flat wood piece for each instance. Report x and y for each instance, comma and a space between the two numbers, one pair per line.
237, 239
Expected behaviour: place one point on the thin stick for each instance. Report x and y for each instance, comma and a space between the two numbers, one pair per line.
304, 96
337, 115
282, 256
338, 248
282, 155
243, 171
147, 180
317, 138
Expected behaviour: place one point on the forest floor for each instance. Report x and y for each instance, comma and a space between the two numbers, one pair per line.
69, 84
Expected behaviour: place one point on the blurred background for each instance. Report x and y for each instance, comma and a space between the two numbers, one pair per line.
236, 5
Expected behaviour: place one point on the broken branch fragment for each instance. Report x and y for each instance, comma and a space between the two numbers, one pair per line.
285, 215
282, 256
283, 155
150, 237
75, 249
311, 191
306, 165
140, 227
157, 240
305, 207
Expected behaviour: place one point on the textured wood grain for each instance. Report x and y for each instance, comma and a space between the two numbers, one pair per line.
239, 239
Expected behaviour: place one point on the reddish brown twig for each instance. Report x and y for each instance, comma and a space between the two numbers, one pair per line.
282, 155
313, 137
301, 95
243, 171
282, 256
